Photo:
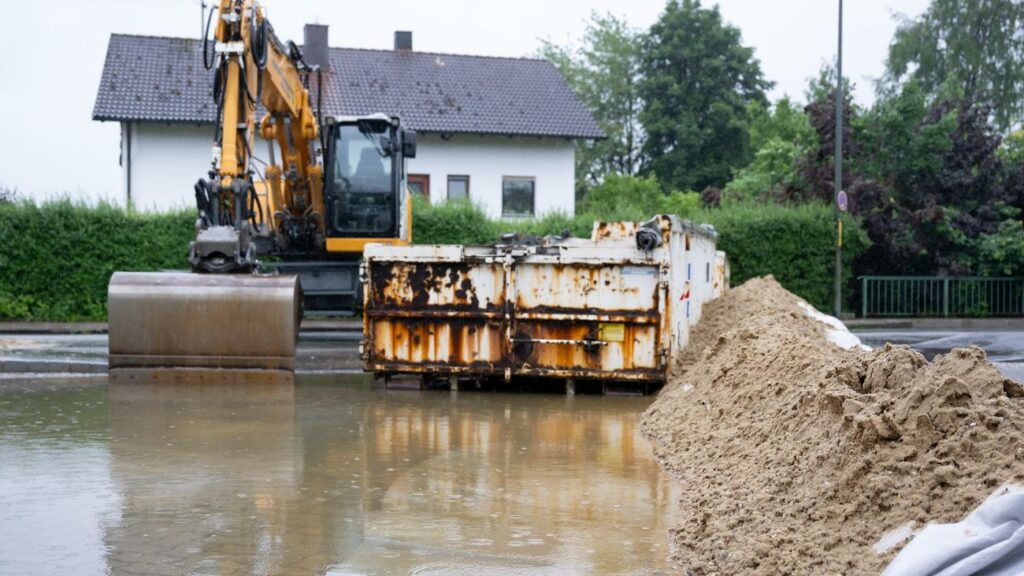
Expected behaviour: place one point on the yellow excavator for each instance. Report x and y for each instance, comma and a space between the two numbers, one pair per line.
270, 234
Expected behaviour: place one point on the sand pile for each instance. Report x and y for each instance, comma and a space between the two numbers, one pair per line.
796, 456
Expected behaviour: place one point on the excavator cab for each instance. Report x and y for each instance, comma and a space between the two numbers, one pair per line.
365, 178
365, 201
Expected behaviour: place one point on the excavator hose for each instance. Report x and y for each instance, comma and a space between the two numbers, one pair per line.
203, 199
256, 206
320, 105
207, 47
258, 33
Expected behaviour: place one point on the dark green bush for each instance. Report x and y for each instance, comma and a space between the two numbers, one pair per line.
57, 257
555, 224
450, 223
635, 198
1002, 253
461, 222
794, 243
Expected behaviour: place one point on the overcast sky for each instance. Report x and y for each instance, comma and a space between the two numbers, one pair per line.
53, 56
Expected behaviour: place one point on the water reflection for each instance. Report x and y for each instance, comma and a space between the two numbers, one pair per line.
204, 471
56, 494
348, 479
507, 484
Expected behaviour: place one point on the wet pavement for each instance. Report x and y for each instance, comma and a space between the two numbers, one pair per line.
337, 351
1005, 347
318, 352
330, 476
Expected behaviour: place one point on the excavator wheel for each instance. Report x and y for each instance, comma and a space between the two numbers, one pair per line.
163, 325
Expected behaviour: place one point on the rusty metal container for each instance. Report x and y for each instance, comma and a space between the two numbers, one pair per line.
615, 307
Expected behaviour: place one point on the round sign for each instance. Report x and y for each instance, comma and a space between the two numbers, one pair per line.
842, 201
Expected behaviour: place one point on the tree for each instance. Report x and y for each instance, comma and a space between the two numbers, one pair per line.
621, 197
823, 85
1002, 253
931, 183
604, 71
973, 46
785, 121
780, 136
698, 79
816, 169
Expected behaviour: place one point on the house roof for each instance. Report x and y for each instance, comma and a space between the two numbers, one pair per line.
160, 79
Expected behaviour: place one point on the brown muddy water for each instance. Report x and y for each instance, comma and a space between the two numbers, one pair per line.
329, 476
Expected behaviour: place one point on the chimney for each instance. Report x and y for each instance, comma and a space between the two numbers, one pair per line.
314, 49
403, 40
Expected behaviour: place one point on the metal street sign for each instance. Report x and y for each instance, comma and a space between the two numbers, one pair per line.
842, 201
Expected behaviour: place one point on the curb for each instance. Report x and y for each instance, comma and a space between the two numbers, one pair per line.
51, 366
53, 327
957, 324
101, 327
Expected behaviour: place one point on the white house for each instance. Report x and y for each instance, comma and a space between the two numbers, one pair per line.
499, 131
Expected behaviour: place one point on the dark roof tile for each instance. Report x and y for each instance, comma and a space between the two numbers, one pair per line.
147, 78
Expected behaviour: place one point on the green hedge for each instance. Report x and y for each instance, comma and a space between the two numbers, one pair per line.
450, 223
56, 258
460, 222
794, 243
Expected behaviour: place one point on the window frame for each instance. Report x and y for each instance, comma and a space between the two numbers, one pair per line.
457, 178
331, 189
533, 203
423, 179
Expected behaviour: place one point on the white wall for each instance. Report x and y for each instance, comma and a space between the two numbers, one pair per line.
166, 161
486, 159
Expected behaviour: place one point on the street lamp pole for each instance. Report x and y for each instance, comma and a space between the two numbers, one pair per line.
838, 287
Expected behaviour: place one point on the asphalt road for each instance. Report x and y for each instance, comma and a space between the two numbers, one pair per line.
1005, 348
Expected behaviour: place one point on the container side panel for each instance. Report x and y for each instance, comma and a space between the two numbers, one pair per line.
569, 286
455, 342
449, 285
607, 347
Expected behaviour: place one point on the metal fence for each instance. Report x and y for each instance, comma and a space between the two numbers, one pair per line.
941, 296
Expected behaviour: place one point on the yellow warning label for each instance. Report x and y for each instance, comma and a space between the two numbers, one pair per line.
611, 331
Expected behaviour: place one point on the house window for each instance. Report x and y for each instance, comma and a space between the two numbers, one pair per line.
458, 187
517, 194
419, 184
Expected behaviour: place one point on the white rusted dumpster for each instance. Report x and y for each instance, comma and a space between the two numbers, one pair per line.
614, 308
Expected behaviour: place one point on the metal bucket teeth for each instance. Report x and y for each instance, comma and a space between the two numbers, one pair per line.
169, 320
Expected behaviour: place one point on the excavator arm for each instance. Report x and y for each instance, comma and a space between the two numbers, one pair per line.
241, 205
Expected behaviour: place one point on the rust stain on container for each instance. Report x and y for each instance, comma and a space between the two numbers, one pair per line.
514, 310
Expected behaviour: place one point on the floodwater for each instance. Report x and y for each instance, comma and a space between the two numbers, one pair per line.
326, 476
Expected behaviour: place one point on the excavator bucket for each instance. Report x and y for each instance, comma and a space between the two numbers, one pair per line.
163, 325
